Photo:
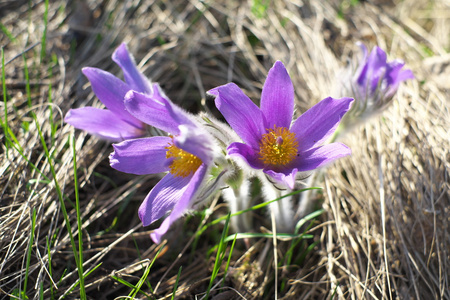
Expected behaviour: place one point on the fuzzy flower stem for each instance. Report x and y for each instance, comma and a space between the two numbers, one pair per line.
282, 209
238, 199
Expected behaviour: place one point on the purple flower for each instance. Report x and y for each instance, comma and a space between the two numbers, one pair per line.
272, 142
186, 154
375, 82
113, 123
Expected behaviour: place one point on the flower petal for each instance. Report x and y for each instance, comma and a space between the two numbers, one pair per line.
158, 112
162, 198
111, 92
194, 141
277, 98
395, 75
374, 69
247, 153
240, 112
321, 156
182, 205
141, 156
103, 123
364, 51
314, 126
133, 77
287, 178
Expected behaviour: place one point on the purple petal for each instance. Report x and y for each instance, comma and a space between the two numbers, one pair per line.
184, 203
158, 112
374, 70
247, 153
277, 98
162, 198
141, 156
362, 66
395, 75
287, 178
194, 141
103, 123
240, 112
158, 94
319, 122
321, 156
111, 92
364, 52
135, 79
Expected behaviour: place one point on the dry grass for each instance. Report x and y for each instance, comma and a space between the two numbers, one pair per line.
385, 233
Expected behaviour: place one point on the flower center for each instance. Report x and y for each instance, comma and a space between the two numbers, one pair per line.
278, 147
184, 163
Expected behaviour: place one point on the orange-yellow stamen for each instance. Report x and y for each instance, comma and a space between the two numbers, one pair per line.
278, 147
184, 163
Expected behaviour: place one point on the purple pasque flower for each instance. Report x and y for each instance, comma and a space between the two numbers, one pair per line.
272, 142
375, 81
186, 154
113, 123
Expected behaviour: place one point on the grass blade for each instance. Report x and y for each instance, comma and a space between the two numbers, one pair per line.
44, 34
5, 106
63, 206
77, 207
176, 284
221, 251
30, 246
267, 235
255, 207
138, 286
7, 33
49, 260
229, 259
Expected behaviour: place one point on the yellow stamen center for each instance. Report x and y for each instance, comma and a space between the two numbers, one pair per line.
278, 147
184, 163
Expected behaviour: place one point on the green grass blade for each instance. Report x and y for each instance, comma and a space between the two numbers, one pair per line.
138, 286
255, 207
53, 124
41, 291
268, 235
30, 246
302, 257
27, 80
77, 207
49, 260
78, 281
307, 218
15, 144
106, 178
93, 269
221, 251
122, 281
197, 236
261, 205
63, 205
44, 34
62, 277
140, 258
128, 284
229, 259
294, 243
55, 180
5, 106
176, 284
7, 33
259, 8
